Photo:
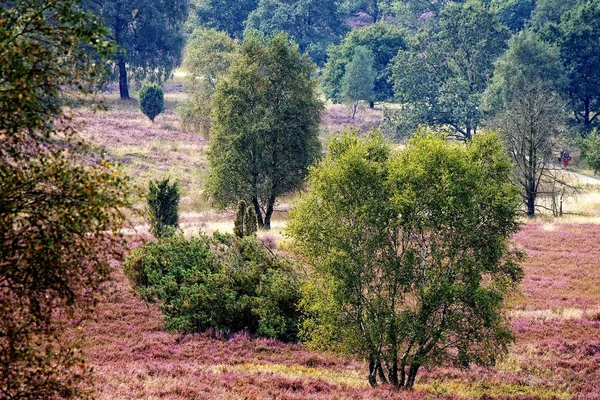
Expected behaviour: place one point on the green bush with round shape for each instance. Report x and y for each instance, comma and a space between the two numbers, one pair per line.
152, 100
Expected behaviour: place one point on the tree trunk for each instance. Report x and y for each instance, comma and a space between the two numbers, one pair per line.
371, 104
123, 87
393, 374
354, 107
372, 372
269, 213
412, 374
530, 202
258, 211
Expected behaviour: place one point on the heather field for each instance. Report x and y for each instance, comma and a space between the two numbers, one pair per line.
556, 317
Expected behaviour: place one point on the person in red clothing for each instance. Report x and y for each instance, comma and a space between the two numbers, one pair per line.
565, 158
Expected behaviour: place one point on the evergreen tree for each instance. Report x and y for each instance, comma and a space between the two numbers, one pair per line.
163, 201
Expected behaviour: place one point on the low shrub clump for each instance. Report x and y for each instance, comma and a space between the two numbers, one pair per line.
152, 100
222, 283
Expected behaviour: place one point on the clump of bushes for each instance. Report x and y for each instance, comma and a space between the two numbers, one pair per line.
152, 100
590, 150
222, 283
163, 201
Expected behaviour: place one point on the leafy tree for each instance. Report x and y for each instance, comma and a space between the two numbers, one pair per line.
60, 208
266, 117
163, 200
413, 13
149, 34
513, 13
578, 38
548, 12
529, 112
359, 79
152, 100
242, 286
208, 55
313, 24
225, 15
590, 150
444, 74
411, 252
382, 40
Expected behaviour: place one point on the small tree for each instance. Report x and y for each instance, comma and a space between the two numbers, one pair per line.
152, 100
163, 200
245, 223
265, 124
359, 80
208, 56
250, 222
238, 223
411, 252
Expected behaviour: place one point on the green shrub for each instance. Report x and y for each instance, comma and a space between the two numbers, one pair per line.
152, 100
163, 200
225, 283
590, 150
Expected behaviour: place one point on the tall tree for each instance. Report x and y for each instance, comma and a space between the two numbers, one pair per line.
265, 124
579, 42
149, 34
382, 40
59, 212
313, 24
444, 74
225, 15
529, 112
359, 80
410, 251
207, 57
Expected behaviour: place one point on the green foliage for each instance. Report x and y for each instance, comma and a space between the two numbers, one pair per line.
238, 223
590, 150
359, 79
152, 100
250, 222
225, 15
513, 13
313, 24
444, 74
411, 252
578, 38
208, 55
61, 206
528, 63
382, 40
266, 114
149, 34
245, 223
163, 200
226, 284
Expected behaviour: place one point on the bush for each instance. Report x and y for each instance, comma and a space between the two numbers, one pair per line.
222, 283
152, 100
590, 150
163, 200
